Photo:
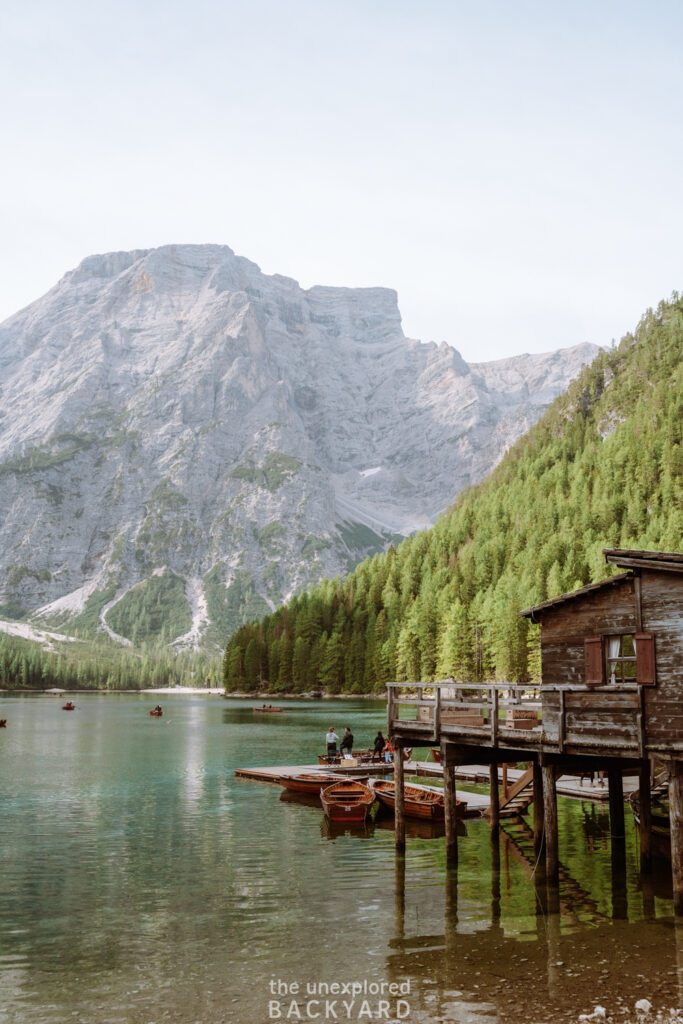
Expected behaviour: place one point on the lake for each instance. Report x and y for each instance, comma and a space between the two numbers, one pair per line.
142, 882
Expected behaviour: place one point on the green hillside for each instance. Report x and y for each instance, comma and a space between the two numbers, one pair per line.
602, 468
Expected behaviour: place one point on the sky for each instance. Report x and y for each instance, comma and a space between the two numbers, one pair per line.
512, 170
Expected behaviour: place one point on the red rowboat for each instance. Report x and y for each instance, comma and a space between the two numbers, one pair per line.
156, 714
347, 800
419, 802
68, 706
266, 710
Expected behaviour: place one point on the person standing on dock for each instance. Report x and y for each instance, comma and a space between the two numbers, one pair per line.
331, 741
379, 746
347, 742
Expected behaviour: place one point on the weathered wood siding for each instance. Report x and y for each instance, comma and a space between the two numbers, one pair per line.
662, 614
565, 628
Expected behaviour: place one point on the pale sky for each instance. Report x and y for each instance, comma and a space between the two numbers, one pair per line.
513, 170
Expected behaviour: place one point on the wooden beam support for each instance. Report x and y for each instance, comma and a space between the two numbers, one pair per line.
450, 814
539, 838
399, 801
676, 822
552, 860
494, 809
616, 805
645, 827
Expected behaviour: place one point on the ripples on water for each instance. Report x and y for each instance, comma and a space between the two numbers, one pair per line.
143, 882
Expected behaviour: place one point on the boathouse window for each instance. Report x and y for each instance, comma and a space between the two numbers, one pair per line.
621, 658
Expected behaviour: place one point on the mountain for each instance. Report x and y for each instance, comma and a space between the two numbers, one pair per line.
186, 441
602, 468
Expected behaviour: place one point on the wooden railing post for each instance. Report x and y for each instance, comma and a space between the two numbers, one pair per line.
437, 714
494, 716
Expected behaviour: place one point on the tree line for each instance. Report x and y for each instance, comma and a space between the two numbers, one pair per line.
602, 468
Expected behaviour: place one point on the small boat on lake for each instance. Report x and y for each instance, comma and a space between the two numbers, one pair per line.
266, 710
347, 800
3, 723
156, 713
69, 706
419, 802
309, 782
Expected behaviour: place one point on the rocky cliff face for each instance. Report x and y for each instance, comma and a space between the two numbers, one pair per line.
184, 440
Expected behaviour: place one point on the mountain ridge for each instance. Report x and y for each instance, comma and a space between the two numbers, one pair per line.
174, 420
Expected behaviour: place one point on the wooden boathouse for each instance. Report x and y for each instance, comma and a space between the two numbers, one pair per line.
610, 700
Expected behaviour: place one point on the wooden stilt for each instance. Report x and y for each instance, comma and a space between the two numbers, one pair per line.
676, 822
645, 806
552, 860
494, 810
400, 804
400, 897
538, 812
616, 805
495, 875
449, 795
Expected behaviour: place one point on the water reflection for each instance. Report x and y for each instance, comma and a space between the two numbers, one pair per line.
558, 969
170, 889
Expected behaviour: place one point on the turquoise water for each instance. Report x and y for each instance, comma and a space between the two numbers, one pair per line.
143, 882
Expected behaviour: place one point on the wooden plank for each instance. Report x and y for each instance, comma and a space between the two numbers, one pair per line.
602, 700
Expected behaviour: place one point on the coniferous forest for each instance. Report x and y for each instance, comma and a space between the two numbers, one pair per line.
602, 468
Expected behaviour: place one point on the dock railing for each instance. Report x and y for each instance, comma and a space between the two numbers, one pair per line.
563, 715
470, 708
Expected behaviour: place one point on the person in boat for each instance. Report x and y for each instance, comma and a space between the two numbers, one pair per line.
378, 746
158, 709
347, 742
331, 741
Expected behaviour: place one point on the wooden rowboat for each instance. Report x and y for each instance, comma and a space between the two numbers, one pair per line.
309, 782
68, 706
347, 800
266, 711
436, 755
419, 802
156, 714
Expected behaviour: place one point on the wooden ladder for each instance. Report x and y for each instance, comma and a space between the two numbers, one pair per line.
519, 797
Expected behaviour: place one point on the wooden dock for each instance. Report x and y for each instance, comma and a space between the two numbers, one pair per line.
567, 785
274, 773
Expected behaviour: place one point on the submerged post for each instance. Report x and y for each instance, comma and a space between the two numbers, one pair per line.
494, 809
450, 801
676, 823
552, 861
645, 809
399, 800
